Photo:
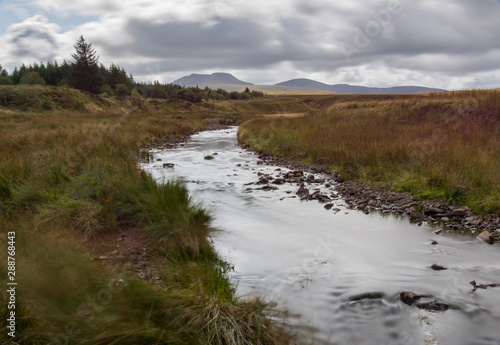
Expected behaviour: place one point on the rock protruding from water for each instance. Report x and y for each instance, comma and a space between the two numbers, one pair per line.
433, 306
437, 267
408, 297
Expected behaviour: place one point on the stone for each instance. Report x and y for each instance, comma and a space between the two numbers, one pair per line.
168, 165
434, 243
260, 162
433, 306
328, 206
437, 267
438, 231
408, 297
458, 212
486, 237
303, 192
279, 181
433, 210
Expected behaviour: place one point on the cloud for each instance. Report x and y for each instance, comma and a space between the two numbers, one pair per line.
33, 37
443, 42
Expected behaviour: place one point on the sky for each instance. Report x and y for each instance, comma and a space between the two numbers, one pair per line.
450, 44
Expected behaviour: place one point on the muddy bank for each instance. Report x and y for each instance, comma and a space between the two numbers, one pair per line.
366, 198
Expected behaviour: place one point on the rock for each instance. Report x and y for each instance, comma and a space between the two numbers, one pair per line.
260, 162
437, 267
416, 215
438, 231
336, 210
445, 219
168, 165
482, 286
458, 212
434, 243
279, 181
263, 180
408, 297
303, 192
328, 206
486, 237
368, 295
433, 306
433, 210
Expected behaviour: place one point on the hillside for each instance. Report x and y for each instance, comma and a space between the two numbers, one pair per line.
345, 88
270, 89
203, 80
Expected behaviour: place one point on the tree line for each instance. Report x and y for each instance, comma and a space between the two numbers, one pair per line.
85, 73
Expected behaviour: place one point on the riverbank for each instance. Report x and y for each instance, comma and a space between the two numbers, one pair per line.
431, 157
103, 253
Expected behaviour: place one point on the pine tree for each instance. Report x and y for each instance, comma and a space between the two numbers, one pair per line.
85, 74
3, 72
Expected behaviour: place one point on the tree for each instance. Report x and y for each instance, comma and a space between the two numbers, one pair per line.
32, 78
85, 74
3, 72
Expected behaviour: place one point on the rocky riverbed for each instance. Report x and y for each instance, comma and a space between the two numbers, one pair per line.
366, 198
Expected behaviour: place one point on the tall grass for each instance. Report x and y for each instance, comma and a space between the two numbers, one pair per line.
438, 146
66, 177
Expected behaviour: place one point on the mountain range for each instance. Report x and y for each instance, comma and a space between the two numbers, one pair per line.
231, 83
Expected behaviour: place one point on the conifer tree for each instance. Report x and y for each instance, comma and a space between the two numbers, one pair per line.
85, 74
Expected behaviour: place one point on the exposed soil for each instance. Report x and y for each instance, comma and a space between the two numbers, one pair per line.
125, 248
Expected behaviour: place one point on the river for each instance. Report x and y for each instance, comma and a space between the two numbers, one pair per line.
338, 273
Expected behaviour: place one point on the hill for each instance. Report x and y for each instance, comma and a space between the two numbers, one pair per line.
346, 88
270, 89
203, 80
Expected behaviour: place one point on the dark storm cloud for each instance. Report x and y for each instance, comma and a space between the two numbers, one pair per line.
230, 43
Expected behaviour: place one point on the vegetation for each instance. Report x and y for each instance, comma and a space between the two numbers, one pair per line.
85, 74
69, 186
437, 146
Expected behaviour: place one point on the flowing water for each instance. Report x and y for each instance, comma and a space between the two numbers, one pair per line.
341, 271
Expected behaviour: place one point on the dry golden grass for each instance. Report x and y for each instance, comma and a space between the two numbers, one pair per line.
65, 176
442, 146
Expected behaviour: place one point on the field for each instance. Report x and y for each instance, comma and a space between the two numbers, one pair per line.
443, 146
72, 194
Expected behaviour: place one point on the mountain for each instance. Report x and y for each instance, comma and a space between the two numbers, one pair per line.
203, 80
345, 88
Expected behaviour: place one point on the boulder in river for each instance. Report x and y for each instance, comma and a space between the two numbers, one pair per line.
303, 192
433, 306
437, 267
486, 237
408, 297
168, 165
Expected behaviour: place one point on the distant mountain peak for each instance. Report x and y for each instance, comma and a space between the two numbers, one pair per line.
203, 80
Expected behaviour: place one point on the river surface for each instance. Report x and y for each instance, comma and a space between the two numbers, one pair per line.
320, 264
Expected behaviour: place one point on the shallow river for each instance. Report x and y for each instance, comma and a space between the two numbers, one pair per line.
319, 264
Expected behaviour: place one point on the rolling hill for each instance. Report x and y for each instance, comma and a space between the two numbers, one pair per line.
230, 83
346, 88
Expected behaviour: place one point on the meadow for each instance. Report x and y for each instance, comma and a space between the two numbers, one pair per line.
439, 146
70, 182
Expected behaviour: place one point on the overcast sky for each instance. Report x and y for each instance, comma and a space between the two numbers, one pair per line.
452, 44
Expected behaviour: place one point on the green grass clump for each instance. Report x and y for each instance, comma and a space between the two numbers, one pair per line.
438, 146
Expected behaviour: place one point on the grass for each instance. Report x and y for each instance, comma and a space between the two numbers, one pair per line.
69, 178
442, 146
